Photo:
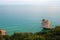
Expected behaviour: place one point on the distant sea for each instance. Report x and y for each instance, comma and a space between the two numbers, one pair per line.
25, 18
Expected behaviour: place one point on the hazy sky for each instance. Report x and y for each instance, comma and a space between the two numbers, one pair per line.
33, 2
50, 5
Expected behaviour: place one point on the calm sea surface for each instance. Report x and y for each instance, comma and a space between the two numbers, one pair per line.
25, 18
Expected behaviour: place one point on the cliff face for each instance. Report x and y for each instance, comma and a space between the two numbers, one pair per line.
45, 23
2, 32
48, 24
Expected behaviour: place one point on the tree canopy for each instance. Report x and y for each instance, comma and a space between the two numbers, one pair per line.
52, 34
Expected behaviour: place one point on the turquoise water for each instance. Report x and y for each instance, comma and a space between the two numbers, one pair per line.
25, 18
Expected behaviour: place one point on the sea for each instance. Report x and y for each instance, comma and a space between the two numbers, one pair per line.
27, 18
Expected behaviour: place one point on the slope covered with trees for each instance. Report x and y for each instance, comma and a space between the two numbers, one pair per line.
52, 34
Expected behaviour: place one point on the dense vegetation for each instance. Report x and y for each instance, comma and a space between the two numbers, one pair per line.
52, 34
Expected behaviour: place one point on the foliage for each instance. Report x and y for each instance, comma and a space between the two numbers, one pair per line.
52, 34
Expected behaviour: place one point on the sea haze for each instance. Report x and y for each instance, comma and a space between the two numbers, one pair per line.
27, 18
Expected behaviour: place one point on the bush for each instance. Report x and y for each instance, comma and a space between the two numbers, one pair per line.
52, 34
